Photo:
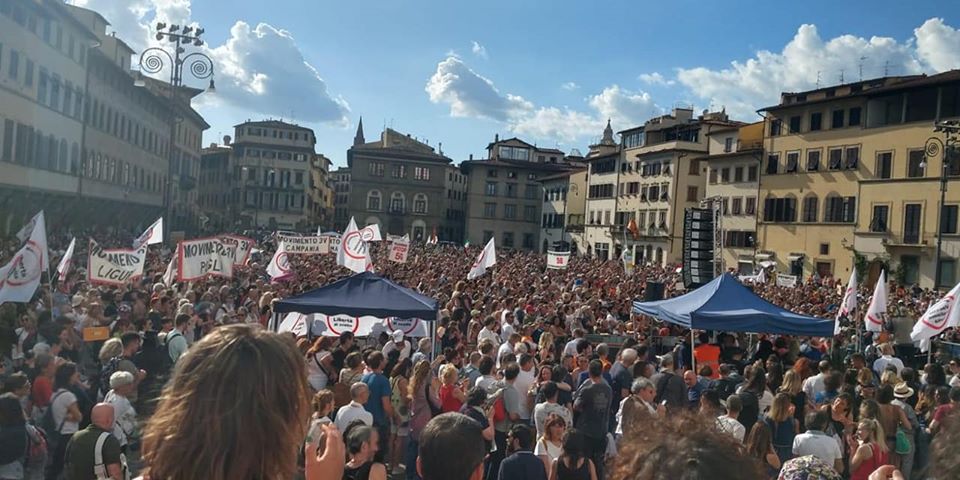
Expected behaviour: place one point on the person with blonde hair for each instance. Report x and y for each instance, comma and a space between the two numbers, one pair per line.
258, 377
550, 445
451, 393
793, 386
870, 450
783, 426
111, 348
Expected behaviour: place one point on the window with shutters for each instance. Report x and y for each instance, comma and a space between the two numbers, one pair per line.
816, 119
810, 209
752, 172
793, 162
736, 207
780, 210
724, 175
750, 206
948, 219
884, 164
879, 219
737, 174
692, 194
813, 160
852, 159
773, 161
837, 119
713, 176
915, 164
835, 156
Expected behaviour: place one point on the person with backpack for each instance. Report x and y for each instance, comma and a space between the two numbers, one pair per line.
63, 417
671, 391
123, 362
175, 341
94, 452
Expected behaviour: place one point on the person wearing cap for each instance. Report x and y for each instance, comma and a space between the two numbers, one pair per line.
125, 417
397, 342
901, 393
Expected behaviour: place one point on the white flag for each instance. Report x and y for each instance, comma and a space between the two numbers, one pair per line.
371, 233
557, 260
399, 248
487, 259
170, 275
627, 258
877, 311
20, 277
761, 276
849, 303
64, 267
939, 317
353, 252
279, 267
29, 229
152, 235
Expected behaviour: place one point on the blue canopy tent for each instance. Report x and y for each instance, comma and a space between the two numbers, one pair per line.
363, 294
726, 305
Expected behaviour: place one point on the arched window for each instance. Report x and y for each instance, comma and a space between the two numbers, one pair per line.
810, 208
373, 200
397, 202
420, 204
833, 208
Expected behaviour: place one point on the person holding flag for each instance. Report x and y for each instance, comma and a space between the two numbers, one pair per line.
487, 259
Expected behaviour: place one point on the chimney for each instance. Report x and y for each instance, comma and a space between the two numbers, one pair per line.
226, 139
496, 137
471, 156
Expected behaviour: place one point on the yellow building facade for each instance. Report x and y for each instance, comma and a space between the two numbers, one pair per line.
844, 175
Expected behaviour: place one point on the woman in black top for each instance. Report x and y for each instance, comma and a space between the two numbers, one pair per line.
573, 463
362, 444
473, 408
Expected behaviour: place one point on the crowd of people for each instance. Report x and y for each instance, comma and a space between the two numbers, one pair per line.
532, 374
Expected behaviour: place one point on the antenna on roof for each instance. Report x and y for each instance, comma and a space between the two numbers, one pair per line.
886, 67
860, 67
841, 76
818, 78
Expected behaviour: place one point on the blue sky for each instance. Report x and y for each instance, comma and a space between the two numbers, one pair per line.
551, 72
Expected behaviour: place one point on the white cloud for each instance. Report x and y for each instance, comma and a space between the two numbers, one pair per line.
260, 70
938, 45
624, 107
571, 86
469, 94
479, 50
655, 78
745, 86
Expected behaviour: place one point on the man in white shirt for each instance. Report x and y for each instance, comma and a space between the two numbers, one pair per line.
397, 343
354, 410
507, 347
815, 384
571, 347
887, 358
487, 380
955, 370
506, 324
423, 351
550, 406
524, 382
489, 331
817, 443
728, 423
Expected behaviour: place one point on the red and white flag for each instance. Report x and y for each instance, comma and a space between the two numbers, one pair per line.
487, 259
152, 235
66, 262
557, 260
20, 277
353, 253
877, 311
371, 233
279, 267
939, 317
849, 303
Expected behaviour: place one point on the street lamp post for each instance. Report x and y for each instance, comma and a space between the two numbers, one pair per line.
947, 150
200, 66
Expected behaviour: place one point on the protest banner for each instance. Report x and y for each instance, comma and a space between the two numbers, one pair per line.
399, 249
114, 266
557, 260
786, 280
243, 246
334, 325
204, 256
308, 245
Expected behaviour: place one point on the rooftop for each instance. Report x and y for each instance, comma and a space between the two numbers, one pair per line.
272, 124
870, 87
